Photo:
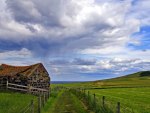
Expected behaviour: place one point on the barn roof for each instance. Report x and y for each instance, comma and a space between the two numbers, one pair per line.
9, 70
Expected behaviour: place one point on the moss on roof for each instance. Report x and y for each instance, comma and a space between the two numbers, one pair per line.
9, 70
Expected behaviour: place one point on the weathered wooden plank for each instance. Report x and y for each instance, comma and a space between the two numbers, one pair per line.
2, 84
17, 89
17, 85
40, 89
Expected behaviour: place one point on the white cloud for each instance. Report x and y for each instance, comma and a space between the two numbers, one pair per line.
23, 53
87, 23
76, 27
102, 67
141, 10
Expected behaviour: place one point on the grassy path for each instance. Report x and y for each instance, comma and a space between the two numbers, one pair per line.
69, 103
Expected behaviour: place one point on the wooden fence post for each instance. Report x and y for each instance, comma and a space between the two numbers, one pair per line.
84, 93
7, 84
77, 92
94, 100
29, 88
88, 96
103, 101
32, 106
118, 107
43, 99
48, 94
39, 104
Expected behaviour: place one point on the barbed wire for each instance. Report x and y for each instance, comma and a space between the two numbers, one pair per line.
25, 108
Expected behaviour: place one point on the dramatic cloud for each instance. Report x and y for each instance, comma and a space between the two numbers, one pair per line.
22, 53
77, 37
87, 24
17, 57
103, 68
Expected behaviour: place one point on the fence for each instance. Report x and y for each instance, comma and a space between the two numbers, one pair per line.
22, 88
35, 105
96, 104
29, 108
2, 86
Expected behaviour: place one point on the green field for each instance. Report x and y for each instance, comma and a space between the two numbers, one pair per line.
63, 101
50, 105
132, 91
11, 102
133, 80
133, 100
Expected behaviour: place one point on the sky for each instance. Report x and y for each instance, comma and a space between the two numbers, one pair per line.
77, 40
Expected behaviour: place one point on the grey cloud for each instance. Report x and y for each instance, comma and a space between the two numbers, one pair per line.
31, 28
75, 61
23, 11
140, 10
47, 13
79, 61
66, 27
57, 28
59, 62
93, 67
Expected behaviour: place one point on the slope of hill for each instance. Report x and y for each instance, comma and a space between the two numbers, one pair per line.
132, 91
138, 74
139, 79
135, 79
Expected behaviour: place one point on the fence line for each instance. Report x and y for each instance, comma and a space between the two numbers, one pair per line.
22, 88
98, 106
43, 96
25, 109
35, 106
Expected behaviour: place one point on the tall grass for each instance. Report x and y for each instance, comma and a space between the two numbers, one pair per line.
91, 102
50, 105
133, 100
11, 102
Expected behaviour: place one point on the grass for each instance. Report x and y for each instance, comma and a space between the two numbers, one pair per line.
11, 102
133, 100
132, 80
69, 103
132, 91
50, 105
64, 101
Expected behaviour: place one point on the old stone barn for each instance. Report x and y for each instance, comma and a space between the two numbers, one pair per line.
33, 75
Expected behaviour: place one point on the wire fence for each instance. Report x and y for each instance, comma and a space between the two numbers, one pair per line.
36, 105
28, 108
101, 104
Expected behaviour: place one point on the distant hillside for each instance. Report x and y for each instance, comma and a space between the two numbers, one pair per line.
139, 79
135, 79
138, 74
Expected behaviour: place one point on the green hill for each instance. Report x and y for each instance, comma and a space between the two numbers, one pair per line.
132, 91
138, 74
139, 79
135, 79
